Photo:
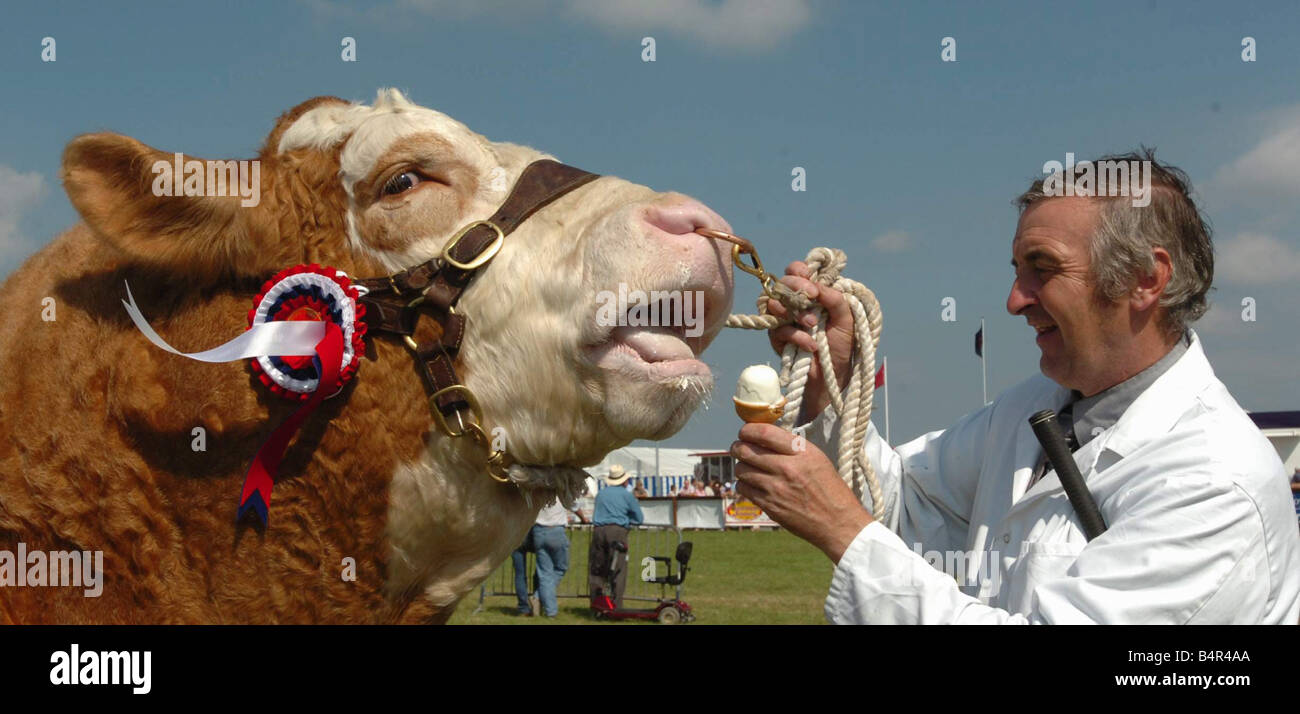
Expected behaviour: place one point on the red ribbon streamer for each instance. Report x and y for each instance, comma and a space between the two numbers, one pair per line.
261, 473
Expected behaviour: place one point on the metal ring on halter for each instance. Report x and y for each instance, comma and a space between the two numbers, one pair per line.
469, 399
729, 237
740, 247
498, 466
410, 342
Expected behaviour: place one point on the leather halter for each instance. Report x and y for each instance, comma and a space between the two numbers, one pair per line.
395, 302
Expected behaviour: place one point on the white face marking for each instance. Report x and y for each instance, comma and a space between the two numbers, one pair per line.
448, 524
370, 131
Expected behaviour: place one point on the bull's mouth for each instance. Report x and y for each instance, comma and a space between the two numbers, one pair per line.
662, 353
658, 354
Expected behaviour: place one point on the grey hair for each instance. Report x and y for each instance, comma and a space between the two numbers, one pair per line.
1121, 247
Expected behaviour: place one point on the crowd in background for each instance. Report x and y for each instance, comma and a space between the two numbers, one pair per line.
697, 488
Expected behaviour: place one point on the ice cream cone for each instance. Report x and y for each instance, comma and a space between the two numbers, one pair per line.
759, 413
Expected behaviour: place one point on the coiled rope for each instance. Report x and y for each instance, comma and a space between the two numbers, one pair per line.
853, 410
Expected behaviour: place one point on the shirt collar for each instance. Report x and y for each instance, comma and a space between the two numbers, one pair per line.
1095, 414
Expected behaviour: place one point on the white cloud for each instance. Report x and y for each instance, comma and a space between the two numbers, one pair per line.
19, 193
1271, 169
892, 242
735, 24
468, 8
744, 25
1252, 258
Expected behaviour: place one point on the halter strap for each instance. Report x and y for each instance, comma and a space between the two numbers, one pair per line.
395, 302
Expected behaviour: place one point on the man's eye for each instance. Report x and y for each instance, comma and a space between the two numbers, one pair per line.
401, 183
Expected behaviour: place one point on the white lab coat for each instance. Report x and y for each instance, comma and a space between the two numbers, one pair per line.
1201, 525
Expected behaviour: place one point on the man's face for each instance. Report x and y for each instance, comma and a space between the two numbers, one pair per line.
1078, 333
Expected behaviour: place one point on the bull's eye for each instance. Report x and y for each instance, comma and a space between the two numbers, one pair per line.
401, 183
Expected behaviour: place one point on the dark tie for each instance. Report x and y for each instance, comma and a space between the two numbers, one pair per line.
1066, 419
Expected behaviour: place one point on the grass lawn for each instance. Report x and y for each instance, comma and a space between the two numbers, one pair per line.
735, 578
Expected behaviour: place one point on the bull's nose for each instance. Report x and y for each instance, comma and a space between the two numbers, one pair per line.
680, 215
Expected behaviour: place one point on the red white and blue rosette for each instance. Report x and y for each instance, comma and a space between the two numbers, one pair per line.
308, 293
306, 327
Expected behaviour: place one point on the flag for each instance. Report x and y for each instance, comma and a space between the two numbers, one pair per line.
880, 376
979, 342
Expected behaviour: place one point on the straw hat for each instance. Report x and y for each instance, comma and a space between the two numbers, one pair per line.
617, 475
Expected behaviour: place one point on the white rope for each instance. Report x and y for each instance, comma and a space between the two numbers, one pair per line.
853, 411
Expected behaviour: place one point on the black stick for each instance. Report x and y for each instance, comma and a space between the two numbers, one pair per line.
1049, 434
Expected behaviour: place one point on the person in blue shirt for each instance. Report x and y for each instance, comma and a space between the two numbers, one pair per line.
616, 511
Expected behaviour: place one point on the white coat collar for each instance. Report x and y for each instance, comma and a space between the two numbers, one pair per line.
1153, 413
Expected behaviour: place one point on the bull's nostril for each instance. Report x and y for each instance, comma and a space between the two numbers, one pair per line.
681, 218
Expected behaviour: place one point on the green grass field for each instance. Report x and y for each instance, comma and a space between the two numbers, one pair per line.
735, 578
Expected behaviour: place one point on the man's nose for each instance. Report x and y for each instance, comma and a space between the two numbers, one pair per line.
1020, 298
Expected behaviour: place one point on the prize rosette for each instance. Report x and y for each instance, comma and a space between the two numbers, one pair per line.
305, 337
308, 293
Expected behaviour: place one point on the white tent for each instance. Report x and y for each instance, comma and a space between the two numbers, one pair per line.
640, 461
676, 466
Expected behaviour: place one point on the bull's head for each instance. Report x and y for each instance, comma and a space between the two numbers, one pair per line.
372, 190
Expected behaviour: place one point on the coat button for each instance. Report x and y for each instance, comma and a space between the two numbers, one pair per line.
1006, 537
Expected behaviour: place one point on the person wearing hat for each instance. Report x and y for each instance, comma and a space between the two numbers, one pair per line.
616, 511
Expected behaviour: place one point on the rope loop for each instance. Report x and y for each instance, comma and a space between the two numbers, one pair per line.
852, 408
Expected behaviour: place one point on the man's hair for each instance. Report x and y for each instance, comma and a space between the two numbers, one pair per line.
1121, 247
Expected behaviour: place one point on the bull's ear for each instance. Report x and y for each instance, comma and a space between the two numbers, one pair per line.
130, 194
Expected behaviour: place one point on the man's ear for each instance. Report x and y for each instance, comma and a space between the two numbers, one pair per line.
120, 187
1146, 294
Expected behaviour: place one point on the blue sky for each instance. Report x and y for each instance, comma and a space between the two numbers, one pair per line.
911, 162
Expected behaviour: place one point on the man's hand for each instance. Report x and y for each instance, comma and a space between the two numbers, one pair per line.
839, 334
800, 490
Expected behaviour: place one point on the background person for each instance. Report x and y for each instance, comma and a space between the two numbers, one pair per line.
519, 561
616, 511
549, 541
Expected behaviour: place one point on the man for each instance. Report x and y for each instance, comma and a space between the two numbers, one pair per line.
616, 511
550, 543
519, 564
1200, 529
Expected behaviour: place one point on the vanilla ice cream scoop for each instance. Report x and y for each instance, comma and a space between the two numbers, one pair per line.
758, 395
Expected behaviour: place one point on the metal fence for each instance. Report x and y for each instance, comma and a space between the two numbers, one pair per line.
642, 542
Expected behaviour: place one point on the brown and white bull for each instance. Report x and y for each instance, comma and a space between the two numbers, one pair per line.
97, 426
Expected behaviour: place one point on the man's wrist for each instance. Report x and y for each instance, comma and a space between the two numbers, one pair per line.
843, 533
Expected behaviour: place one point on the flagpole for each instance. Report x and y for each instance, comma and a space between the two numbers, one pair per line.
984, 380
885, 366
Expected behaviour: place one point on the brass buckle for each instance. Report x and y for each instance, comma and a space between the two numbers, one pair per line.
488, 253
498, 462
442, 419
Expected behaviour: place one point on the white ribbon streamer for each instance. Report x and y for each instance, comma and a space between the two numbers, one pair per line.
281, 338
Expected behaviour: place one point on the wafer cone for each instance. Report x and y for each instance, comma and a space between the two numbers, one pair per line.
759, 413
